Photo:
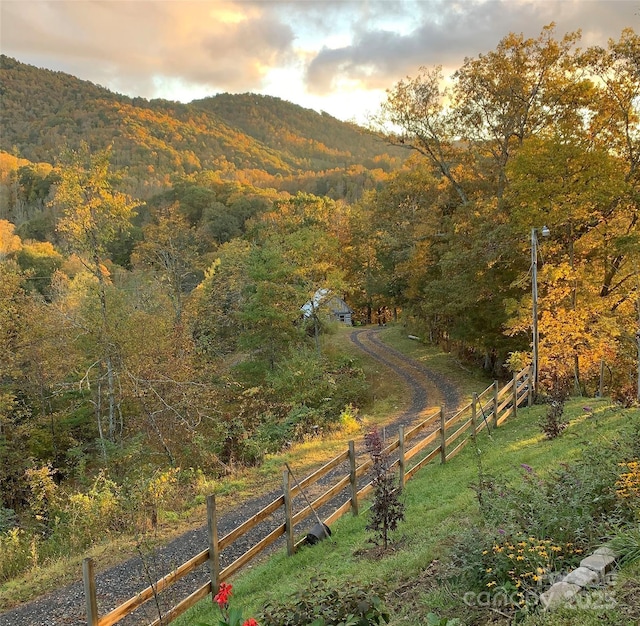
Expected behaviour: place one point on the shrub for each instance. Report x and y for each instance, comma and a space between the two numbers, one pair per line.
42, 492
349, 420
496, 568
143, 496
626, 395
348, 604
60, 525
8, 519
387, 509
85, 517
536, 527
574, 503
524, 562
553, 423
324, 385
19, 550
274, 433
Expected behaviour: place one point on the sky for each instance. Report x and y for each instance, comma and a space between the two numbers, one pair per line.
328, 55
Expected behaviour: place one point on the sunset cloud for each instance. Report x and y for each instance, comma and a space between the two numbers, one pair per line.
335, 55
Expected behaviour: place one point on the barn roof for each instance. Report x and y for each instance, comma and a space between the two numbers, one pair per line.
324, 298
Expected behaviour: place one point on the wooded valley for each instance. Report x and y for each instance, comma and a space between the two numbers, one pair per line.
155, 258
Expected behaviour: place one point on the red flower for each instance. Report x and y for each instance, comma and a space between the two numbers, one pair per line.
222, 597
250, 622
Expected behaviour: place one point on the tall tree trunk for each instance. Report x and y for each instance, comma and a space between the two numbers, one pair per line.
111, 391
98, 410
105, 341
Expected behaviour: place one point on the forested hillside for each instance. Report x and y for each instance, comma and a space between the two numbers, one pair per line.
152, 142
320, 139
155, 259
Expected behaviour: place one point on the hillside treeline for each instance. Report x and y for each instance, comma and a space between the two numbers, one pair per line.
145, 333
258, 140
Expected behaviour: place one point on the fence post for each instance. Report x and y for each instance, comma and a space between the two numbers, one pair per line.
443, 437
286, 490
496, 390
515, 394
353, 479
214, 552
474, 402
91, 602
530, 386
401, 456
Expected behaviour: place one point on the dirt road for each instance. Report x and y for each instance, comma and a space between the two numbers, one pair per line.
65, 607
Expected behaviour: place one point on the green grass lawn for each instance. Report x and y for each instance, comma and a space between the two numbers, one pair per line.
439, 502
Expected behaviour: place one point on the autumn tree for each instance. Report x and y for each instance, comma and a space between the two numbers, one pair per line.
272, 301
581, 182
506, 95
215, 306
614, 125
13, 315
10, 243
93, 215
576, 191
170, 251
532, 133
363, 269
311, 232
468, 133
394, 232
35, 361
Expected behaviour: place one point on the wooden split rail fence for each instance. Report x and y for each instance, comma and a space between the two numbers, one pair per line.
438, 434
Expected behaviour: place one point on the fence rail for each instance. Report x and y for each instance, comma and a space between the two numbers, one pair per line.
494, 405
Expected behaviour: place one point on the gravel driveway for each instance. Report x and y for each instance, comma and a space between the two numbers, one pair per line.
65, 606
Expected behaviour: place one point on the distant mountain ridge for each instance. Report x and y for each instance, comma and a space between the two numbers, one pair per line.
287, 126
43, 111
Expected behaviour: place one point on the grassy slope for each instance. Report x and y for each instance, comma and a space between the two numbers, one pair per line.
439, 501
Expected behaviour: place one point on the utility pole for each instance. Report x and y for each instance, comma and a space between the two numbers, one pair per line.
534, 298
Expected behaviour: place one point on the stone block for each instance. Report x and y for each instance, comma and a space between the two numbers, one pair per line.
599, 563
583, 577
558, 594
